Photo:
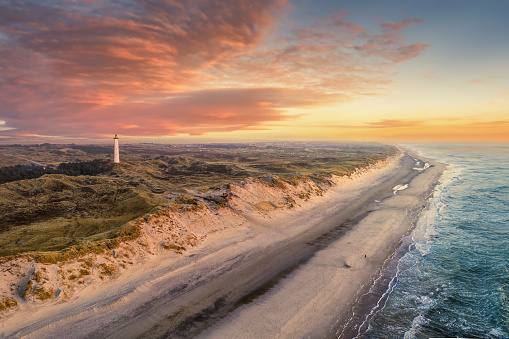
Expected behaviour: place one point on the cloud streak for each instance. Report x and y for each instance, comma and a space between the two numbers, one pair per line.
390, 44
196, 112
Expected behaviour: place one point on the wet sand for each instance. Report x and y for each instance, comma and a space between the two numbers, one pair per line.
295, 275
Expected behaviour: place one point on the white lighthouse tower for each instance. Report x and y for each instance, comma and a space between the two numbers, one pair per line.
116, 156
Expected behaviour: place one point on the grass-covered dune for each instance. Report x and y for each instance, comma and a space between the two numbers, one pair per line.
57, 211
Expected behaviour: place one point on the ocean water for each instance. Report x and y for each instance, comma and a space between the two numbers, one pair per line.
454, 279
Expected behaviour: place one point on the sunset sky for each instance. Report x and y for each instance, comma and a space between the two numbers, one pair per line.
245, 70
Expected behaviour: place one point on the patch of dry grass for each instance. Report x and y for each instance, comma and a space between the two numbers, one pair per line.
56, 212
6, 303
62, 218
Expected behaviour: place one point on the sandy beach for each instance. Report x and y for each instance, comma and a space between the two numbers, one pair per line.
289, 273
316, 300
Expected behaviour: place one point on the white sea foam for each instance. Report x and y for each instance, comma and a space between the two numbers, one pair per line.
416, 324
497, 333
426, 165
380, 305
399, 188
471, 194
425, 229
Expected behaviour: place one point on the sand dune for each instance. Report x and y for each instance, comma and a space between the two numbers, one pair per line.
306, 265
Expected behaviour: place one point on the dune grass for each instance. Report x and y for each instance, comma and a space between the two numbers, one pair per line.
56, 212
62, 217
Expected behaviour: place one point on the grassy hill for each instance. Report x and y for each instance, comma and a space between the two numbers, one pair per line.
55, 212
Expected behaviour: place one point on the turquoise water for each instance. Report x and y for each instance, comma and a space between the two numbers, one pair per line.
454, 280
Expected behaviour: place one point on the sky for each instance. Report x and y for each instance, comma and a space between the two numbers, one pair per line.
243, 70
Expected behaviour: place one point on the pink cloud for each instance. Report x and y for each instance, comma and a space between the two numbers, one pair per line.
390, 44
204, 111
162, 67
478, 81
394, 123
330, 55
389, 27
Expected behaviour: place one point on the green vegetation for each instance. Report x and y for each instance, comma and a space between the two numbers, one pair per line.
15, 173
185, 199
84, 204
93, 167
126, 232
56, 212
92, 149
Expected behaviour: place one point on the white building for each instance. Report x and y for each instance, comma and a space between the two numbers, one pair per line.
116, 155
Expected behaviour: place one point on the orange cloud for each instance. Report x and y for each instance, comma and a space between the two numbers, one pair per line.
446, 130
195, 112
477, 81
392, 123
161, 67
494, 123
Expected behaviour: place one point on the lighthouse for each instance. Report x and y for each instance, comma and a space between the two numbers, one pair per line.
116, 156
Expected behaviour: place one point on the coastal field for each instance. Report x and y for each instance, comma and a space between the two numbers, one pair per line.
56, 212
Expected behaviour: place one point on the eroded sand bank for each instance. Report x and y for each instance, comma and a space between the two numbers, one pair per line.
312, 258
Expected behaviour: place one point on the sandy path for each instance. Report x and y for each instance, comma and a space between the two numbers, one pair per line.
180, 296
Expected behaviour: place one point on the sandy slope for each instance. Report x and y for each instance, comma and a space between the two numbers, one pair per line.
326, 238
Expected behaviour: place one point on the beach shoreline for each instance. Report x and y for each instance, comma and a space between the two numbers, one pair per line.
199, 293
318, 299
372, 298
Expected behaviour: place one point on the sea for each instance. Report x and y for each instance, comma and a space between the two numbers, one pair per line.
453, 279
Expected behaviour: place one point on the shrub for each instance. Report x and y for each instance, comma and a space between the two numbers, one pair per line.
7, 303
37, 277
185, 199
28, 289
84, 272
171, 246
42, 294
89, 262
107, 269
